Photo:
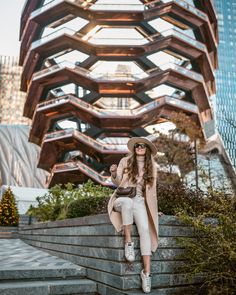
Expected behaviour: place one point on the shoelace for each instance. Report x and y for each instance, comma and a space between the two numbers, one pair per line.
130, 249
147, 280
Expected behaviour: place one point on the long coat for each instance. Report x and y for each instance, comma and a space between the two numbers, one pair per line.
151, 201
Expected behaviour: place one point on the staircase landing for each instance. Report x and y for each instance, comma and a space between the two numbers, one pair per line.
25, 270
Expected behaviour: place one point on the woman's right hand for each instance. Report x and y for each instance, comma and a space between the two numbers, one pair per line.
113, 170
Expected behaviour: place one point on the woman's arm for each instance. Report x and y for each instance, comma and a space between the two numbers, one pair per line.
117, 177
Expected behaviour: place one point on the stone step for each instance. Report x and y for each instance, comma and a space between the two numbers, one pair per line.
8, 228
187, 290
46, 287
41, 273
165, 230
8, 235
92, 242
8, 232
115, 254
132, 282
122, 267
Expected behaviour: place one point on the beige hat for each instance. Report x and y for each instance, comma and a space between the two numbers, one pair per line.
135, 140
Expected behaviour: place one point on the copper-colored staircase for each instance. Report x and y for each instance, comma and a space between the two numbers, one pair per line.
104, 109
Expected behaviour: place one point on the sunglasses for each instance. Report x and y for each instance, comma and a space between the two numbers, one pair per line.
141, 145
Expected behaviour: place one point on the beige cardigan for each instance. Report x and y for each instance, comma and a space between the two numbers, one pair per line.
151, 201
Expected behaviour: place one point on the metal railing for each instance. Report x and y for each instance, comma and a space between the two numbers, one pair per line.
122, 41
116, 113
120, 6
98, 6
118, 75
51, 36
184, 37
78, 165
116, 148
45, 7
189, 7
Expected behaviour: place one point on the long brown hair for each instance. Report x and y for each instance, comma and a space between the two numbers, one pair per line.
132, 167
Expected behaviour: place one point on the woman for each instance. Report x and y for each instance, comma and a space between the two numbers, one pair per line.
137, 170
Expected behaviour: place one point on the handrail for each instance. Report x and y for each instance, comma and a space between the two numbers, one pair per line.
122, 6
52, 36
117, 148
85, 168
110, 112
189, 7
151, 38
82, 4
117, 76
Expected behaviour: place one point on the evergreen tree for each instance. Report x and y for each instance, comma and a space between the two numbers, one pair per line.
9, 215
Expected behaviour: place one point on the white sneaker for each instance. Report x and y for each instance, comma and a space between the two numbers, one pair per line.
146, 282
129, 251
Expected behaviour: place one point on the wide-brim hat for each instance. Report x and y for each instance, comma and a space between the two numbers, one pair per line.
135, 140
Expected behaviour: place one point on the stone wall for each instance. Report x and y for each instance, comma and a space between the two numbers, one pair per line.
8, 232
92, 242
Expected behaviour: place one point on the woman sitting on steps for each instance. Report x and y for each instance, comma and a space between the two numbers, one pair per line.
137, 170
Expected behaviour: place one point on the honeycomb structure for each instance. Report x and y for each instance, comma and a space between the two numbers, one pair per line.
99, 72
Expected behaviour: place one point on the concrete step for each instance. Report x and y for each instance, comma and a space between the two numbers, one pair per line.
9, 235
187, 290
8, 232
8, 228
46, 287
41, 273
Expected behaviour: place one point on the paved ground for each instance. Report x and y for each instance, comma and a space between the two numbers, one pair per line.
15, 254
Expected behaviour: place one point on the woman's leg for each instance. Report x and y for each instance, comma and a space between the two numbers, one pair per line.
141, 220
127, 232
147, 264
125, 207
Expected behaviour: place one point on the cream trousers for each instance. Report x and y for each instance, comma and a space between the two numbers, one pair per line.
134, 210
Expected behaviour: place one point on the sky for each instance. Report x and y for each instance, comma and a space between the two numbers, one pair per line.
10, 12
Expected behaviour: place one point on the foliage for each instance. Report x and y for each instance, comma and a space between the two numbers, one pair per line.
175, 198
89, 205
9, 215
186, 125
213, 250
60, 202
175, 152
177, 145
92, 199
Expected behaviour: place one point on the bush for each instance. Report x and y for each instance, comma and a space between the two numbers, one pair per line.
175, 198
87, 206
92, 200
213, 251
62, 202
9, 215
53, 205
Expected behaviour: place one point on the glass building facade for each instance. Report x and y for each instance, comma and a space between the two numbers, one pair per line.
225, 103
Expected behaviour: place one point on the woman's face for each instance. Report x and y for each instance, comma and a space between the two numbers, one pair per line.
140, 149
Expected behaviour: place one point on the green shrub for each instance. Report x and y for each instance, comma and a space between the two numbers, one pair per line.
60, 200
92, 199
175, 198
53, 205
87, 206
213, 250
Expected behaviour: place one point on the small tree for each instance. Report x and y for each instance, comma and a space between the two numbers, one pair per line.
9, 215
176, 150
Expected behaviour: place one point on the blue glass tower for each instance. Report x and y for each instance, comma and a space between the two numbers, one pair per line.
225, 108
